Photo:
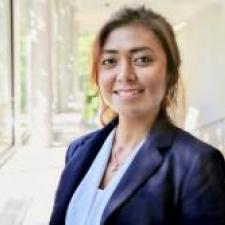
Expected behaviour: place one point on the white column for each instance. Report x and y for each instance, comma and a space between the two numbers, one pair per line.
6, 117
66, 53
54, 58
16, 73
78, 97
41, 87
75, 43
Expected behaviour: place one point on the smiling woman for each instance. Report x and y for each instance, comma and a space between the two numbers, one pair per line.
132, 73
139, 168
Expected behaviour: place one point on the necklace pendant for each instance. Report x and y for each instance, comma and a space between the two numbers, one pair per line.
115, 167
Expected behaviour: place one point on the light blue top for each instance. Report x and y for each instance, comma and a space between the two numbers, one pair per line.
88, 201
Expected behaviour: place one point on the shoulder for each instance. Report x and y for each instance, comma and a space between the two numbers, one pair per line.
75, 144
203, 178
197, 158
97, 136
189, 144
191, 154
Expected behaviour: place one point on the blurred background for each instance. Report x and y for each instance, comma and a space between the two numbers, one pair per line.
46, 99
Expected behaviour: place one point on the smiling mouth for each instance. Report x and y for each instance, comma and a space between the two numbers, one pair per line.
128, 92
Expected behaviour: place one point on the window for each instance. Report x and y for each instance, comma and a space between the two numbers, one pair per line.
6, 116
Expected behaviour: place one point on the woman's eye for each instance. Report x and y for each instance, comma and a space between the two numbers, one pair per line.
143, 61
109, 62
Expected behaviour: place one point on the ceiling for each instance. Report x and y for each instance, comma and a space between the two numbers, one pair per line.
92, 13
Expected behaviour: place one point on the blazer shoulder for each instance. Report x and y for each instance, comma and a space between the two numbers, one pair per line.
192, 147
75, 144
202, 179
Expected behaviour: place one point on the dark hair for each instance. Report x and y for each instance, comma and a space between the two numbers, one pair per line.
162, 29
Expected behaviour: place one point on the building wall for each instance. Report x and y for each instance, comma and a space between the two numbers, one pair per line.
202, 46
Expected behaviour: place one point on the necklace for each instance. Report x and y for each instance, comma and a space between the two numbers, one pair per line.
115, 164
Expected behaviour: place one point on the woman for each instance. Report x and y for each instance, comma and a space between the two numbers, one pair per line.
140, 168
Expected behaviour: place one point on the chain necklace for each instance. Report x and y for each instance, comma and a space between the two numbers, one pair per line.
115, 164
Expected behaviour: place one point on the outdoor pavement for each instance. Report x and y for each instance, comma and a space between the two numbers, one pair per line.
29, 178
27, 185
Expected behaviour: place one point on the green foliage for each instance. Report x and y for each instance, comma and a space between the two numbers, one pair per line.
91, 100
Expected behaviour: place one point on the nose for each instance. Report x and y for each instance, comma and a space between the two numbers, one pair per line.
126, 72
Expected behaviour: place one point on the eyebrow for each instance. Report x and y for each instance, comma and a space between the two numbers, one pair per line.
133, 50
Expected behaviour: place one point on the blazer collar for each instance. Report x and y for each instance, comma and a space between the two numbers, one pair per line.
145, 164
74, 171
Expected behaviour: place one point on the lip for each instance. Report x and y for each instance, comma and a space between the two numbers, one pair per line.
127, 90
128, 93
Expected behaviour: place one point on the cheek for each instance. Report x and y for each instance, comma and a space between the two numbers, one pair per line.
105, 83
101, 80
156, 85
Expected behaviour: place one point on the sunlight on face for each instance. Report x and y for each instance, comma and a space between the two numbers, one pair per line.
132, 71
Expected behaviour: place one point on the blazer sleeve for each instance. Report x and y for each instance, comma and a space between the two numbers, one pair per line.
203, 195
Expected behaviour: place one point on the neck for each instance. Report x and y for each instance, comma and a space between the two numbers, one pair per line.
130, 132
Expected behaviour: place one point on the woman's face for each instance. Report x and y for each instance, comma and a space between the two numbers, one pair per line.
132, 72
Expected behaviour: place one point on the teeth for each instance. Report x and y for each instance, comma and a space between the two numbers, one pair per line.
127, 93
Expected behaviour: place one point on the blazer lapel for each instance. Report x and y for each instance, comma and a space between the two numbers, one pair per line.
77, 167
145, 164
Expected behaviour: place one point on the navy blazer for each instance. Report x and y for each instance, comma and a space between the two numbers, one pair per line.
175, 179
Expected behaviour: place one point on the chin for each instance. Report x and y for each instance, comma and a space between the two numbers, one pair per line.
135, 112
130, 113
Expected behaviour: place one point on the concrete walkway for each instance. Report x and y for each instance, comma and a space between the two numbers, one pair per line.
27, 186
29, 178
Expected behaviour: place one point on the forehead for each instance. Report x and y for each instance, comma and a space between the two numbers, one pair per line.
132, 36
